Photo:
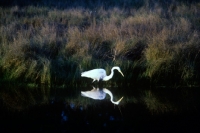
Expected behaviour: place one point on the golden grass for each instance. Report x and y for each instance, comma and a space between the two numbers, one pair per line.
41, 45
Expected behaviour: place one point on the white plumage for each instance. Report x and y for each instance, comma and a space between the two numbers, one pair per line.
100, 74
100, 94
94, 94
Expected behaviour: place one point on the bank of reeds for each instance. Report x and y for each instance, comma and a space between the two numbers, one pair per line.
153, 43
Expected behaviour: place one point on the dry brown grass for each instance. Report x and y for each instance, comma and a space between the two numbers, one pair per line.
45, 45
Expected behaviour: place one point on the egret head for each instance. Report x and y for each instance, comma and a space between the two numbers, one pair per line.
119, 70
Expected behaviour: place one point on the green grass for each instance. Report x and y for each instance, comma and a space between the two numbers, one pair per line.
153, 42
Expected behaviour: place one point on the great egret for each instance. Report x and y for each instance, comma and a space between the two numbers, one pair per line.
100, 94
100, 74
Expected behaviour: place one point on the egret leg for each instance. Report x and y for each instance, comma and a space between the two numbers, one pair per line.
100, 83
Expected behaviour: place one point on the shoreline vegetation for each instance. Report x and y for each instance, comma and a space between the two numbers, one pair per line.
154, 42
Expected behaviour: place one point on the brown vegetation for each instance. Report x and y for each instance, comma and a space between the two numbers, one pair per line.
150, 42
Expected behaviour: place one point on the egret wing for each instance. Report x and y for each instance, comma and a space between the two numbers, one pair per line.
94, 74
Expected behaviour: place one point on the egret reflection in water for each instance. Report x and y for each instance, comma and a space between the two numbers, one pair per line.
100, 94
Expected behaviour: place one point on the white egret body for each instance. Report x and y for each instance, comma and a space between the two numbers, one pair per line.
100, 74
99, 94
94, 94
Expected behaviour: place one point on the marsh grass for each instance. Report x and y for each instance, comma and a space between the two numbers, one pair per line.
151, 42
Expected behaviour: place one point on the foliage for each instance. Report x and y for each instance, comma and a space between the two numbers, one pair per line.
47, 42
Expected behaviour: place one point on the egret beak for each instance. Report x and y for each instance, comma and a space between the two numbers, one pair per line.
121, 73
118, 101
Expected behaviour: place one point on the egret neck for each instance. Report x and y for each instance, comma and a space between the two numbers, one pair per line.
110, 76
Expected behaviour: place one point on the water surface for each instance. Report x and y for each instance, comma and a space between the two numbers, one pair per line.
65, 110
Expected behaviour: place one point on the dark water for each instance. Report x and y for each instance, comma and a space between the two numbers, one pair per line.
64, 110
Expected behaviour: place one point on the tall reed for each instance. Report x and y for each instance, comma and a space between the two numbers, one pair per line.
150, 41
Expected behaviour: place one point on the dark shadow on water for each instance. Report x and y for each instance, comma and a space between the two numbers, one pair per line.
65, 110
